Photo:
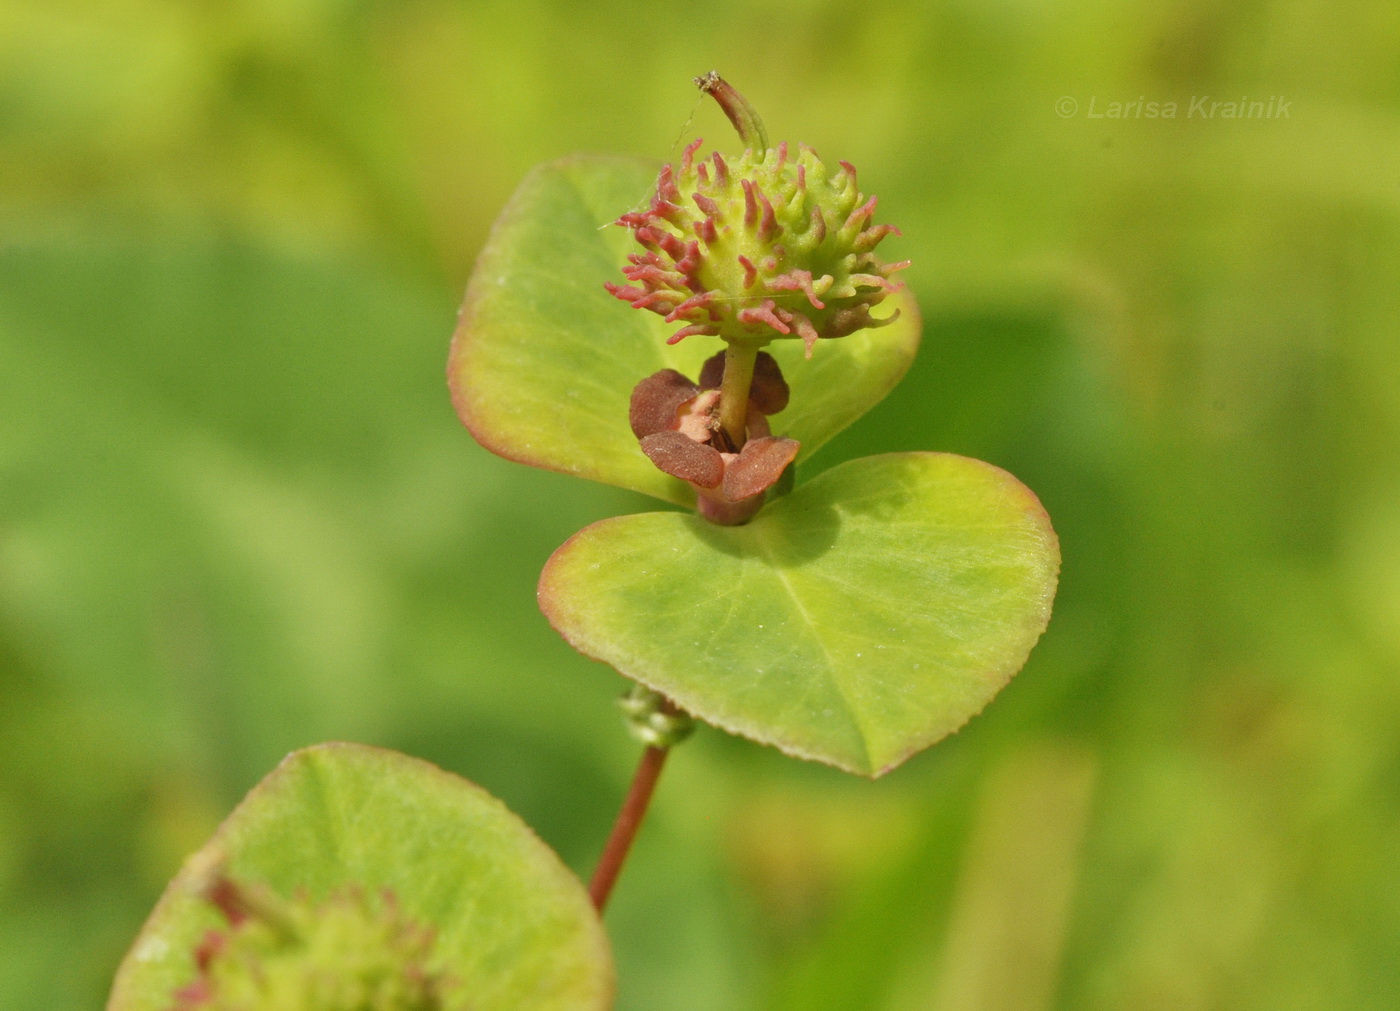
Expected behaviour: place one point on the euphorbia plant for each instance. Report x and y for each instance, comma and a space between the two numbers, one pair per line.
854, 618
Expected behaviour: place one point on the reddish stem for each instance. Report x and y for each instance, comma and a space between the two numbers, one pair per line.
629, 820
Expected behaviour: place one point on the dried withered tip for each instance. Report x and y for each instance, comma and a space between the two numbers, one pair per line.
742, 115
674, 419
765, 245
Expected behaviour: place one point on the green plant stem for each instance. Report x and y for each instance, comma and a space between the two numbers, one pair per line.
629, 820
739, 362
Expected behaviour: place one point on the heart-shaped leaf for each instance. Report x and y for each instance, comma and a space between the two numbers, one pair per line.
544, 359
514, 928
859, 619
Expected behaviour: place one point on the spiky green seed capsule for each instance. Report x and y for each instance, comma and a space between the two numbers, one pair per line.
762, 247
348, 953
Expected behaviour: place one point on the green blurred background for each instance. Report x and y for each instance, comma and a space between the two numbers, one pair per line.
237, 514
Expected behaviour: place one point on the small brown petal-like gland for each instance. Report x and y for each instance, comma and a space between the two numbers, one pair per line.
674, 420
760, 247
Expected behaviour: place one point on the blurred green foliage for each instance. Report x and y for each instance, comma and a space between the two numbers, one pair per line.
238, 516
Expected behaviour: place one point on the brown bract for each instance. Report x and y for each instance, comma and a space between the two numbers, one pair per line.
675, 421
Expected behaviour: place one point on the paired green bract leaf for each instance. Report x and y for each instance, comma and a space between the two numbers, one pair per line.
544, 359
861, 618
515, 929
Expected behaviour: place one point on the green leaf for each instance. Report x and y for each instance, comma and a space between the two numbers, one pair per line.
544, 359
861, 618
514, 926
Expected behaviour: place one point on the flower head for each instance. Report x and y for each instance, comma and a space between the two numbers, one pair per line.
769, 244
763, 246
348, 953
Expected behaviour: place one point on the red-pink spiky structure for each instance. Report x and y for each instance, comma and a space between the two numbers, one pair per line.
767, 247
